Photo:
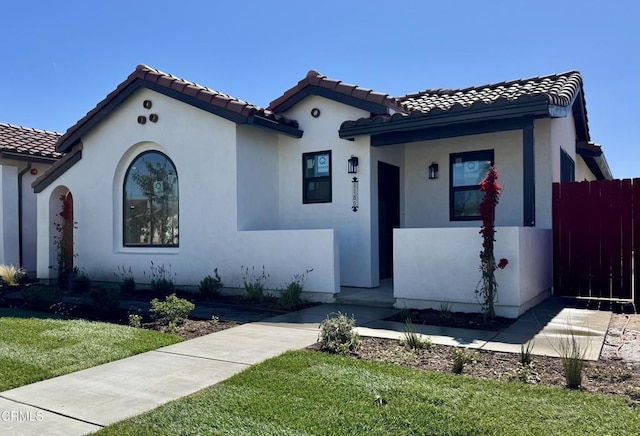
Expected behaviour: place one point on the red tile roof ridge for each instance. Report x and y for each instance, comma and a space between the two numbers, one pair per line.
314, 78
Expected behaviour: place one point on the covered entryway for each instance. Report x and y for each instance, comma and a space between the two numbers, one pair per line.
388, 214
596, 239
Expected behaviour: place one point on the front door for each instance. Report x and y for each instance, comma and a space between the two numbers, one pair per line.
388, 214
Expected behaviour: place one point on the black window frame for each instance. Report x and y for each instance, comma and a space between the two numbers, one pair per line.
567, 167
125, 205
306, 179
471, 156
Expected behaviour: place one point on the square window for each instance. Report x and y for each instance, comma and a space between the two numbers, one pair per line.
567, 167
467, 170
316, 173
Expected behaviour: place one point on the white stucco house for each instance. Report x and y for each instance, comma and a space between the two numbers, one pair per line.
25, 153
357, 185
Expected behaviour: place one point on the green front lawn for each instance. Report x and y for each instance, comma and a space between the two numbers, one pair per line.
305, 392
35, 346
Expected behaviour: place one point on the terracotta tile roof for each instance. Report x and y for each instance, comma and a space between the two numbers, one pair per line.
236, 109
28, 142
556, 89
315, 79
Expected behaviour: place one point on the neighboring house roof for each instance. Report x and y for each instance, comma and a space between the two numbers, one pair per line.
553, 96
196, 95
25, 143
316, 84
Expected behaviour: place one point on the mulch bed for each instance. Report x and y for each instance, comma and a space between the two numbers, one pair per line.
475, 321
193, 328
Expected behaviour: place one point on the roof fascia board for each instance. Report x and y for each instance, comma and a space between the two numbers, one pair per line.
272, 125
331, 95
27, 157
556, 111
41, 184
420, 122
449, 131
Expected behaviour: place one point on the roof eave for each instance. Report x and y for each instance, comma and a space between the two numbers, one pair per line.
535, 107
57, 169
273, 125
376, 108
27, 157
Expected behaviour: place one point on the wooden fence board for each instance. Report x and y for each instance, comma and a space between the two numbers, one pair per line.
626, 223
636, 238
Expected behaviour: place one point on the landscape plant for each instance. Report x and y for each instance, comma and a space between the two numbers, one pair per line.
79, 281
337, 334
11, 275
572, 353
412, 339
64, 243
172, 311
487, 289
253, 283
291, 295
127, 281
104, 301
460, 359
163, 280
39, 296
210, 285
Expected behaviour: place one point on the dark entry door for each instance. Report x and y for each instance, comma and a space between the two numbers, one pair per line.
388, 214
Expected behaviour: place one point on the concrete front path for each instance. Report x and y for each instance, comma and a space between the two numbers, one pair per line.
88, 400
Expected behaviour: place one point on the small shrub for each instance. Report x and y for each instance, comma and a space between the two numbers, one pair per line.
127, 281
337, 335
254, 283
291, 296
445, 311
41, 296
460, 359
172, 311
135, 320
80, 282
105, 301
412, 339
11, 275
210, 286
572, 354
526, 354
162, 280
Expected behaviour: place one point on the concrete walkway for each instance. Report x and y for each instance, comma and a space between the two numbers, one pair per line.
88, 400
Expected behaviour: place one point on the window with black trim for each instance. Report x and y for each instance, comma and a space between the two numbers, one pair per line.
467, 170
316, 177
151, 202
567, 167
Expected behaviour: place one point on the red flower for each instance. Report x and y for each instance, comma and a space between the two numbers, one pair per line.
503, 263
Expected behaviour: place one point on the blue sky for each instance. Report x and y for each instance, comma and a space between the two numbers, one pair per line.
60, 58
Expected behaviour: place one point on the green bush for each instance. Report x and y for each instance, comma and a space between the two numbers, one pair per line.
172, 311
40, 296
105, 301
254, 283
460, 359
291, 295
210, 285
412, 339
135, 320
162, 280
80, 282
127, 282
337, 335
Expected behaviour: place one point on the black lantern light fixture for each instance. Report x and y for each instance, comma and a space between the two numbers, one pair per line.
353, 164
433, 171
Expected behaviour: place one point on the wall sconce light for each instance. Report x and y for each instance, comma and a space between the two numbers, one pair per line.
433, 171
353, 165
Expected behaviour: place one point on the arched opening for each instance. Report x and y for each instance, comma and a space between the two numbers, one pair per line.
150, 202
61, 230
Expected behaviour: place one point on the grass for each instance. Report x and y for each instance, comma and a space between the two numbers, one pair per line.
36, 346
305, 392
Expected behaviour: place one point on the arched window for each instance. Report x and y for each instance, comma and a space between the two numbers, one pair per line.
151, 202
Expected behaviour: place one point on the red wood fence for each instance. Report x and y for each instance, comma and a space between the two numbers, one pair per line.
596, 232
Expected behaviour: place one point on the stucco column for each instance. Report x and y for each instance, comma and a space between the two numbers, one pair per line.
9, 245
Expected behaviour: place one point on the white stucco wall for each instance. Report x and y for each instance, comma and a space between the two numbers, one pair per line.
582, 171
29, 218
353, 228
203, 148
427, 201
441, 264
